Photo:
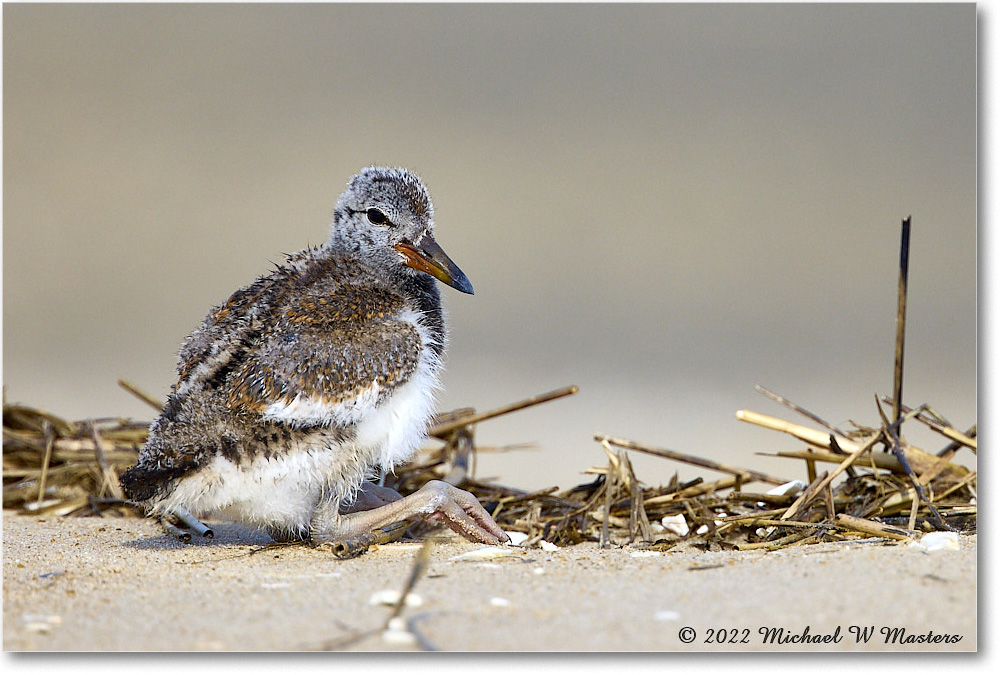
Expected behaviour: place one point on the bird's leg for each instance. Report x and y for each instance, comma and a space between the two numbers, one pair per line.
436, 501
193, 523
180, 523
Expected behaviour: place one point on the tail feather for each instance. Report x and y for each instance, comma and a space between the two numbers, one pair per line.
142, 483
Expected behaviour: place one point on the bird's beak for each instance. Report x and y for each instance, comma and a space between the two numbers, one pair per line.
428, 257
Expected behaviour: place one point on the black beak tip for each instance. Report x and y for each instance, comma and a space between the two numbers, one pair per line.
462, 283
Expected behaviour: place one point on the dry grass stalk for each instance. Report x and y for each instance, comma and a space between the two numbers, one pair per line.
811, 436
49, 442
904, 270
872, 528
152, 401
873, 460
744, 474
802, 411
441, 428
938, 425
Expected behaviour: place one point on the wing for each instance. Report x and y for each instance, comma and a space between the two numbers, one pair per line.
210, 352
263, 310
328, 358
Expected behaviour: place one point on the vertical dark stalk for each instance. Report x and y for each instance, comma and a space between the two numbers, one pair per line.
904, 264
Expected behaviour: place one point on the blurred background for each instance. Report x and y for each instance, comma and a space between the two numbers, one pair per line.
665, 205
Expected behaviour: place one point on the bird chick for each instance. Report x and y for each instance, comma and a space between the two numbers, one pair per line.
297, 388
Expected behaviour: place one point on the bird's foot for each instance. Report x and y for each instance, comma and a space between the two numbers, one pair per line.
436, 501
461, 512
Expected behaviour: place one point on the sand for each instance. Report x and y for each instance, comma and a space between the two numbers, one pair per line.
119, 584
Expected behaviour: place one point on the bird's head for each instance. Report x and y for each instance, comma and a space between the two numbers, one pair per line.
385, 216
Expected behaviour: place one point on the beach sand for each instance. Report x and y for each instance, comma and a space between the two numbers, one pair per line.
119, 584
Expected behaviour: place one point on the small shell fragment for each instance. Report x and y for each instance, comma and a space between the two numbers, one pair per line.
517, 538
790, 488
500, 602
397, 635
937, 541
485, 553
676, 524
389, 597
645, 554
547, 546
39, 623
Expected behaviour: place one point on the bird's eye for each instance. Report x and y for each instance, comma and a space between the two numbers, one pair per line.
376, 217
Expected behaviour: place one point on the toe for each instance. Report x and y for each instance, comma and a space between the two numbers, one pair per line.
466, 511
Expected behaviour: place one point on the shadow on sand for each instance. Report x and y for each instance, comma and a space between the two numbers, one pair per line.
226, 534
